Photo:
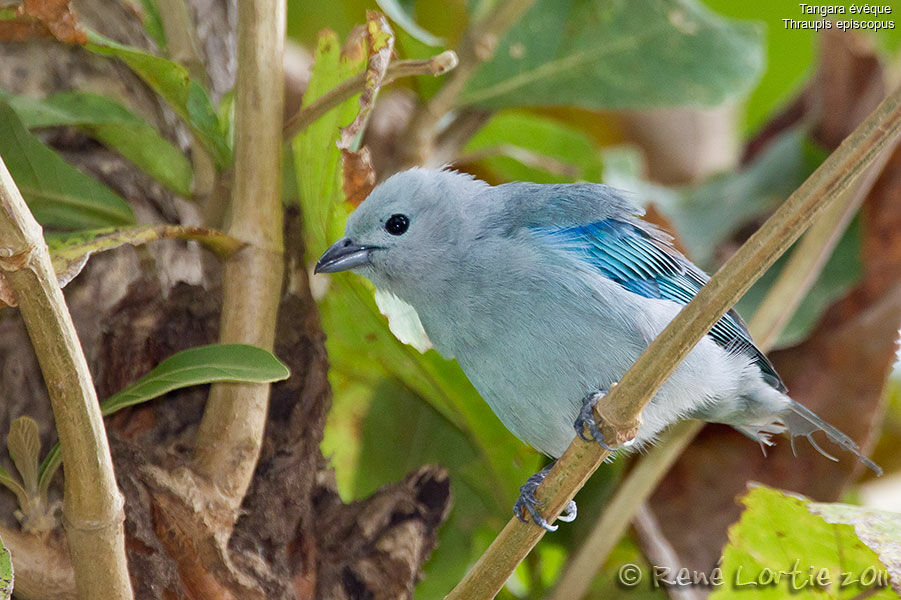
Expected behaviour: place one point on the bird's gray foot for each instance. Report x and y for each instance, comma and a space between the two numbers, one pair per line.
586, 420
529, 503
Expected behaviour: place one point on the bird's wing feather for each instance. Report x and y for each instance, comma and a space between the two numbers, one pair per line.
641, 258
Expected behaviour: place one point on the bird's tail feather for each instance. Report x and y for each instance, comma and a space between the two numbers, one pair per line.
802, 421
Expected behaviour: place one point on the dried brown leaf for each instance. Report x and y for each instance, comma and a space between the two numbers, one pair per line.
358, 175
37, 19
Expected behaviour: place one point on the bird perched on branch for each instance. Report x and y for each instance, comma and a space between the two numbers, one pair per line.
546, 295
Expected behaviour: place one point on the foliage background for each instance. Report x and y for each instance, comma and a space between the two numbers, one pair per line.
710, 113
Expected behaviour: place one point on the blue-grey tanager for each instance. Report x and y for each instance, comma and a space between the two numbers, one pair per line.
546, 295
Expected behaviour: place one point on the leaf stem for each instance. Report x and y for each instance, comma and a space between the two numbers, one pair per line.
231, 432
179, 29
478, 44
437, 65
626, 400
93, 507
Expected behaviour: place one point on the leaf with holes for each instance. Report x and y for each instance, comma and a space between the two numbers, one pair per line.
820, 557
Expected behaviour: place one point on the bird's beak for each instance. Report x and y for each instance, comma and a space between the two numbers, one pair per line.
343, 255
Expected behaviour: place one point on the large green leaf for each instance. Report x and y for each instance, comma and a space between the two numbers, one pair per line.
522, 146
116, 127
58, 194
173, 83
6, 573
619, 54
782, 534
195, 366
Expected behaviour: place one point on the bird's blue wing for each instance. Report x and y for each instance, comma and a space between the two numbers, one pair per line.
641, 259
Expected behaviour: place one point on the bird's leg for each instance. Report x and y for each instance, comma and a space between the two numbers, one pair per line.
529, 503
586, 419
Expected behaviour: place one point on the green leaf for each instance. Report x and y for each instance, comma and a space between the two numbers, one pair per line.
6, 573
400, 15
316, 155
153, 23
204, 364
172, 82
880, 530
238, 363
13, 485
114, 126
70, 251
58, 194
523, 146
779, 533
619, 54
24, 445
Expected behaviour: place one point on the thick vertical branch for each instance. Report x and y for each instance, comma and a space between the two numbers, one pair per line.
626, 400
93, 507
231, 432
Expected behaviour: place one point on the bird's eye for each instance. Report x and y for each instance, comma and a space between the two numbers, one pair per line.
397, 224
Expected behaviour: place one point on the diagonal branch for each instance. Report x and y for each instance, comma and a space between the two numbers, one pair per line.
625, 401
93, 507
808, 259
437, 65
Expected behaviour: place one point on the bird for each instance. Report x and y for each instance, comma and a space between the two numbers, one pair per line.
545, 294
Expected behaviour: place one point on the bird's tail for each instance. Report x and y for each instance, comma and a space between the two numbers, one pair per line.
801, 421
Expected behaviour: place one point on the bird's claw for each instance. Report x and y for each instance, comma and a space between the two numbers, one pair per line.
527, 502
569, 513
586, 420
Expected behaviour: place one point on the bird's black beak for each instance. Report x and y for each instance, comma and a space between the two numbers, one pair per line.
343, 255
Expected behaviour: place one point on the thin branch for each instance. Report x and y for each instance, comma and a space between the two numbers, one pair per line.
92, 504
807, 261
478, 44
181, 42
231, 432
437, 65
813, 251
607, 531
660, 552
619, 415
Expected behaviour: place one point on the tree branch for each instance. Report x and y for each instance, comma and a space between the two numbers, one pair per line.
619, 415
478, 44
92, 504
179, 30
231, 432
437, 65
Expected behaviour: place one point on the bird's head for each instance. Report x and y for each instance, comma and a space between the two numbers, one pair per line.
407, 230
